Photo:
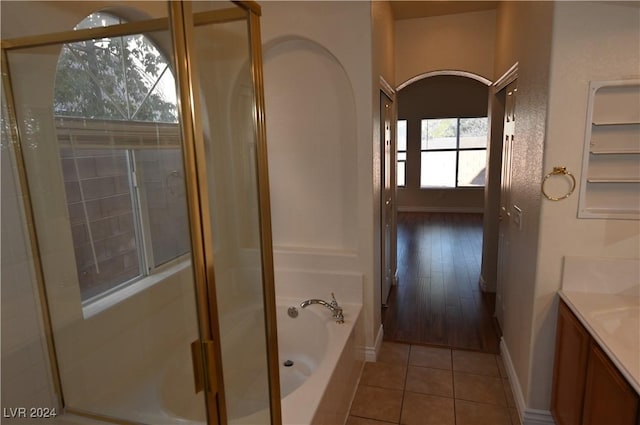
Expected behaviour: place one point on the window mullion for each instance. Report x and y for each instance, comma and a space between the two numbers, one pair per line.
139, 220
123, 61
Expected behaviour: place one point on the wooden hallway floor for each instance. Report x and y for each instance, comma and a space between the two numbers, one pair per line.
437, 300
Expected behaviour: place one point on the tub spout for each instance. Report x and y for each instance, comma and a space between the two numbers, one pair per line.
333, 306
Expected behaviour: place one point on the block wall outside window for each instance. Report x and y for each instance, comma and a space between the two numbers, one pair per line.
104, 213
101, 215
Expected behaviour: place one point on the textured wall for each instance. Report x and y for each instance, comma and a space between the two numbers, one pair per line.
524, 36
462, 42
591, 41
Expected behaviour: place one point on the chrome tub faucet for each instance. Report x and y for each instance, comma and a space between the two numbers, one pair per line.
333, 306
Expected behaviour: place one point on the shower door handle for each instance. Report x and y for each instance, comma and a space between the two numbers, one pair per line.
204, 375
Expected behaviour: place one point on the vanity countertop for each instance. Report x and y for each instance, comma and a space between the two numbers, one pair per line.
604, 294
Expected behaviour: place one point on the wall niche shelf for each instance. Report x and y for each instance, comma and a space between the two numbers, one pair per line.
610, 181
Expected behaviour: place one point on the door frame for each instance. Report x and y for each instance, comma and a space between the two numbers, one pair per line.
490, 256
388, 184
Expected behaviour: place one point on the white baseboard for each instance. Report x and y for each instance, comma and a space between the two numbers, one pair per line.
528, 416
371, 353
537, 417
467, 210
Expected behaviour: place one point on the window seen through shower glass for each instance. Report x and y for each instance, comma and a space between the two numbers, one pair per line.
116, 125
453, 152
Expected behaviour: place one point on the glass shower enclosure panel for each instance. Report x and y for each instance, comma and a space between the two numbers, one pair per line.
228, 77
99, 137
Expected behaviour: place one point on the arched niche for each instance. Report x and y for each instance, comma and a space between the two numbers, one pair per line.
312, 146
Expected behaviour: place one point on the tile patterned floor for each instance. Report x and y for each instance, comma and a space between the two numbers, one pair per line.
417, 385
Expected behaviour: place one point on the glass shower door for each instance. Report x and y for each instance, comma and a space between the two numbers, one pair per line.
97, 139
140, 147
226, 81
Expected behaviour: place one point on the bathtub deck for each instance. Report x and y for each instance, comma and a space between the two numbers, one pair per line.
437, 300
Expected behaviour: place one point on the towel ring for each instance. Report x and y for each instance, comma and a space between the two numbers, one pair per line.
557, 171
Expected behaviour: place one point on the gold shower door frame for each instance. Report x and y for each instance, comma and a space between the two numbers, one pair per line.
206, 351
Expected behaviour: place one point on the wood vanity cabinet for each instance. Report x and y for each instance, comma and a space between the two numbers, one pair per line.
587, 387
569, 368
608, 398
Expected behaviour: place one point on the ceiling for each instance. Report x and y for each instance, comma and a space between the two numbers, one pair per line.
422, 9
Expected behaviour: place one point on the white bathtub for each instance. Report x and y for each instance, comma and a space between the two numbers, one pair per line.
324, 371
325, 395
316, 389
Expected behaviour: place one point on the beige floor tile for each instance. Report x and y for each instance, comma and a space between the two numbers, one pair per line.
508, 393
421, 409
429, 381
470, 413
437, 358
474, 362
383, 375
394, 353
480, 388
430, 376
377, 403
354, 420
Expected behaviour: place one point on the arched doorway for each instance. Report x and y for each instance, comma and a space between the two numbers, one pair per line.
442, 142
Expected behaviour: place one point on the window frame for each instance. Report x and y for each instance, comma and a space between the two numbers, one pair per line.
128, 135
66, 129
457, 151
401, 151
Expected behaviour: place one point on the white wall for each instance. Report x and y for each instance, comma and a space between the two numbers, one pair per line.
317, 72
383, 43
462, 42
524, 36
591, 41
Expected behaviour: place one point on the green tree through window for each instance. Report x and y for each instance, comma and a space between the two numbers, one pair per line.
122, 78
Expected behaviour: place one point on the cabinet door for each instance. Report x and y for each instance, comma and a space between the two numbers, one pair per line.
608, 397
569, 370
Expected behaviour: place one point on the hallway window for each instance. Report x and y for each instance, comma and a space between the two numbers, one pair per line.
453, 152
119, 148
402, 153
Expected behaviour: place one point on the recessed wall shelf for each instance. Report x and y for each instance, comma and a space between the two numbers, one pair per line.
610, 181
